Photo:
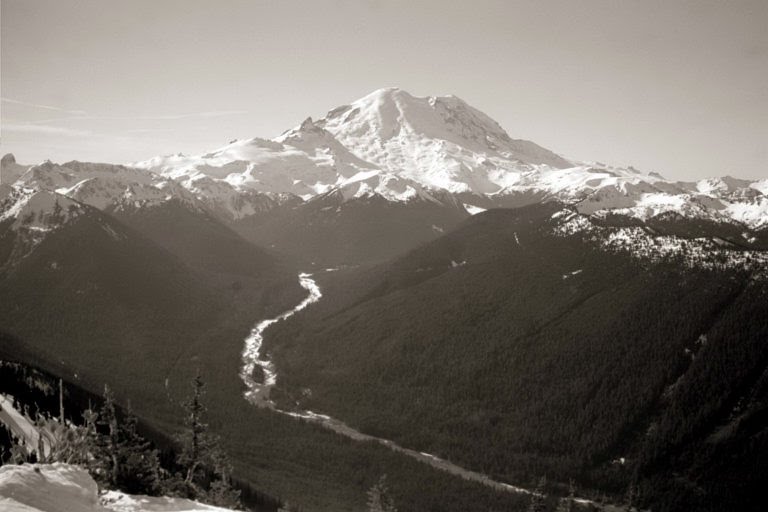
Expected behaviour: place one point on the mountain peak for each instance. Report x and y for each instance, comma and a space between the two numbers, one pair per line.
439, 141
307, 124
9, 169
393, 113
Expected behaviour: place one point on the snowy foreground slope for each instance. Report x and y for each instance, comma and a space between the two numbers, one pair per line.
65, 488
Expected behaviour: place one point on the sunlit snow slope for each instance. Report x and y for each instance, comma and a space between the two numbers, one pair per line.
64, 488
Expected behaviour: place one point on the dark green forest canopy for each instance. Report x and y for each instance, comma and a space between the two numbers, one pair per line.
518, 353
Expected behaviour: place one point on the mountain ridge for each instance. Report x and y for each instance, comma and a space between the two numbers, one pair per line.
441, 142
406, 151
402, 147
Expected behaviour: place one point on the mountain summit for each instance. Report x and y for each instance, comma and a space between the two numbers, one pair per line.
402, 148
386, 138
440, 141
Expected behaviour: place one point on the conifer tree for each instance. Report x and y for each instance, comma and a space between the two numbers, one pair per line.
194, 440
379, 497
568, 504
110, 440
139, 463
221, 492
632, 495
537, 503
200, 451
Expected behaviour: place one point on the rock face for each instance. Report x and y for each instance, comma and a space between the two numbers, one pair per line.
8, 159
9, 169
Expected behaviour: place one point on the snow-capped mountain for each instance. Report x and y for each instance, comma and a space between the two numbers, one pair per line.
388, 143
392, 144
305, 161
440, 142
110, 187
101, 185
27, 216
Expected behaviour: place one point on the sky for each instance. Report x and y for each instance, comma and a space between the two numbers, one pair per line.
676, 87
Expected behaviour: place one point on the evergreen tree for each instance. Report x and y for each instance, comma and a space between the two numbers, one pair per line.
632, 495
109, 441
200, 452
568, 504
139, 470
221, 492
379, 497
538, 497
194, 440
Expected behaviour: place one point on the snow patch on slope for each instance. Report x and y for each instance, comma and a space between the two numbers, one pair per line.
642, 243
39, 211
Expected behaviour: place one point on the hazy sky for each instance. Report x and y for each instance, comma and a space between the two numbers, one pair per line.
676, 87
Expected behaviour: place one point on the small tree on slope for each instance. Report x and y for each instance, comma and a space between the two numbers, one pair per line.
537, 503
110, 440
379, 497
201, 452
139, 463
127, 460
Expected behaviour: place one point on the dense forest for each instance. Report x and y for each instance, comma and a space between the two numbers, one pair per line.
518, 353
498, 346
332, 230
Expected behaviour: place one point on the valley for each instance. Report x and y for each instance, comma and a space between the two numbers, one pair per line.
258, 394
401, 288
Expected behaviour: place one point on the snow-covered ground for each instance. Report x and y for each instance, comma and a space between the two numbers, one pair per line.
65, 488
711, 253
23, 427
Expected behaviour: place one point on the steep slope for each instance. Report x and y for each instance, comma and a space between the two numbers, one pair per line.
96, 280
159, 208
110, 294
202, 241
10, 171
96, 302
332, 230
518, 346
109, 186
100, 185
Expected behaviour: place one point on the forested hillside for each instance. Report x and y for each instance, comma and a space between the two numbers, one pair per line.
518, 353
97, 302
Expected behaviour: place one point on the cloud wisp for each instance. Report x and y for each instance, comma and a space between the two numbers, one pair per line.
82, 115
44, 130
168, 117
42, 107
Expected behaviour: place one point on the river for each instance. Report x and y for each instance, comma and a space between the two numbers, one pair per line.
257, 393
